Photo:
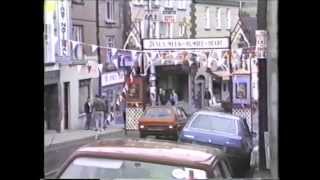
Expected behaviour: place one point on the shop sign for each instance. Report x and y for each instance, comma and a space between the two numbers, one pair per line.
111, 78
64, 27
203, 43
241, 89
261, 44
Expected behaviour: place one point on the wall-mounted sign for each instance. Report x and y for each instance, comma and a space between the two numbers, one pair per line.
261, 44
205, 43
241, 90
111, 78
64, 27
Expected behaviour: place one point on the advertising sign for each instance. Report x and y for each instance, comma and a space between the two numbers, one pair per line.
111, 78
64, 27
205, 43
241, 90
261, 44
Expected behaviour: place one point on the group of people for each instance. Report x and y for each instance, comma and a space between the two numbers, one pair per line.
98, 110
168, 97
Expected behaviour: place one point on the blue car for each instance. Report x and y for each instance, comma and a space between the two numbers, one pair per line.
221, 130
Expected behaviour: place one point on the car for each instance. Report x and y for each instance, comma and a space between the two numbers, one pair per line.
224, 131
145, 158
162, 121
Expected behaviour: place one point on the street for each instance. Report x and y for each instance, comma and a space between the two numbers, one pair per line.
54, 157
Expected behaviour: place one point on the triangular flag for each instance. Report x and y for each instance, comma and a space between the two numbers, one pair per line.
78, 68
100, 66
113, 51
93, 48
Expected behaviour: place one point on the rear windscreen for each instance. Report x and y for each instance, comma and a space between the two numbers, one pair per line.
158, 113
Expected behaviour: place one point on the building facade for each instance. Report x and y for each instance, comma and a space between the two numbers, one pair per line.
71, 66
214, 18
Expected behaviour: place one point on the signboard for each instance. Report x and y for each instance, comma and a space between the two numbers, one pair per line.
261, 44
64, 27
241, 90
205, 43
169, 18
111, 78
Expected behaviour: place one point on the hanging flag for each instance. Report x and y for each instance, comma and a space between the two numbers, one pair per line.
94, 48
78, 68
100, 66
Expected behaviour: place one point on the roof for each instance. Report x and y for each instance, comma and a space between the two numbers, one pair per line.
249, 27
218, 114
218, 2
152, 151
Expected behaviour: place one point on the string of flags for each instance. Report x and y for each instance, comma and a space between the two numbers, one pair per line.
216, 59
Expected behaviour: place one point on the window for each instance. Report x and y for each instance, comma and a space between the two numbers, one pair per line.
80, 2
228, 18
158, 113
77, 35
224, 86
207, 18
101, 168
168, 4
110, 41
181, 4
218, 17
110, 11
213, 123
171, 30
84, 93
182, 30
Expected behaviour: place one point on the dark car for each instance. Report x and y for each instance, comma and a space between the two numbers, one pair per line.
148, 159
224, 131
162, 121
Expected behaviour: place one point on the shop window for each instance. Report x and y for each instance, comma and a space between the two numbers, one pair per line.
110, 11
84, 93
207, 27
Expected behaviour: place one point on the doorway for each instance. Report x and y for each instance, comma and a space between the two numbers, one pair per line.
200, 90
66, 104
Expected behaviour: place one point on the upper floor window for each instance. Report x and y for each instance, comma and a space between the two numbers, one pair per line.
218, 17
228, 18
77, 35
80, 2
110, 41
181, 4
207, 18
110, 11
168, 4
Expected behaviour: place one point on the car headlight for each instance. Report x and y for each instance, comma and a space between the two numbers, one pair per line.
141, 126
170, 126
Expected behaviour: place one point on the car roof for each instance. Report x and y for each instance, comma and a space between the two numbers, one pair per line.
155, 151
217, 114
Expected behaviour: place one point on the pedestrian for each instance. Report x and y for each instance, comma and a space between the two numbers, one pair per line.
106, 114
207, 97
99, 108
88, 110
162, 97
174, 98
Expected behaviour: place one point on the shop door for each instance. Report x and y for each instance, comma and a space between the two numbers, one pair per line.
66, 105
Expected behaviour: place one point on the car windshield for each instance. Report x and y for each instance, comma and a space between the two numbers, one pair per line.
158, 113
85, 167
209, 122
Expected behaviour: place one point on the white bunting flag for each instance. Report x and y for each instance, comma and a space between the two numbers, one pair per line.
94, 48
78, 68
100, 66
113, 51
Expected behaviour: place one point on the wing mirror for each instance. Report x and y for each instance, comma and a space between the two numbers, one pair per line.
253, 134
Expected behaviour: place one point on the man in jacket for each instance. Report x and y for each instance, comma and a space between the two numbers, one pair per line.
99, 108
207, 97
87, 110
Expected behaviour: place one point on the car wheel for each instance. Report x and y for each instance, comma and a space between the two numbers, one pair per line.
142, 135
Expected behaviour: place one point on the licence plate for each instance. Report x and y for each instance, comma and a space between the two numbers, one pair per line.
155, 129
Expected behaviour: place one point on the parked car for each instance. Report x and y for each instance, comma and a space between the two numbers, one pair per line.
224, 131
162, 121
143, 158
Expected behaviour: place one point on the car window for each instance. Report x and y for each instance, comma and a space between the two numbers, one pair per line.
217, 171
86, 168
225, 169
245, 128
158, 113
209, 122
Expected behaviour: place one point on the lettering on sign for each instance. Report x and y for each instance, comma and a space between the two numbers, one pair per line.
209, 43
112, 78
261, 44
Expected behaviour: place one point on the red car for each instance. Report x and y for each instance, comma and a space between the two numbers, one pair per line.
148, 159
162, 121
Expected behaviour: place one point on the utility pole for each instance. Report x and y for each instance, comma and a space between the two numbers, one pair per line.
262, 74
98, 43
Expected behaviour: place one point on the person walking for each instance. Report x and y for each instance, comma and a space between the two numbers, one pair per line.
106, 121
88, 110
174, 97
99, 108
207, 97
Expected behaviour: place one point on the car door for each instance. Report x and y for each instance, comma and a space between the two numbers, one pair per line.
246, 135
184, 116
179, 118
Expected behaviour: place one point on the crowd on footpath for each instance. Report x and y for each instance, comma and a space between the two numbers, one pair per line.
98, 111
